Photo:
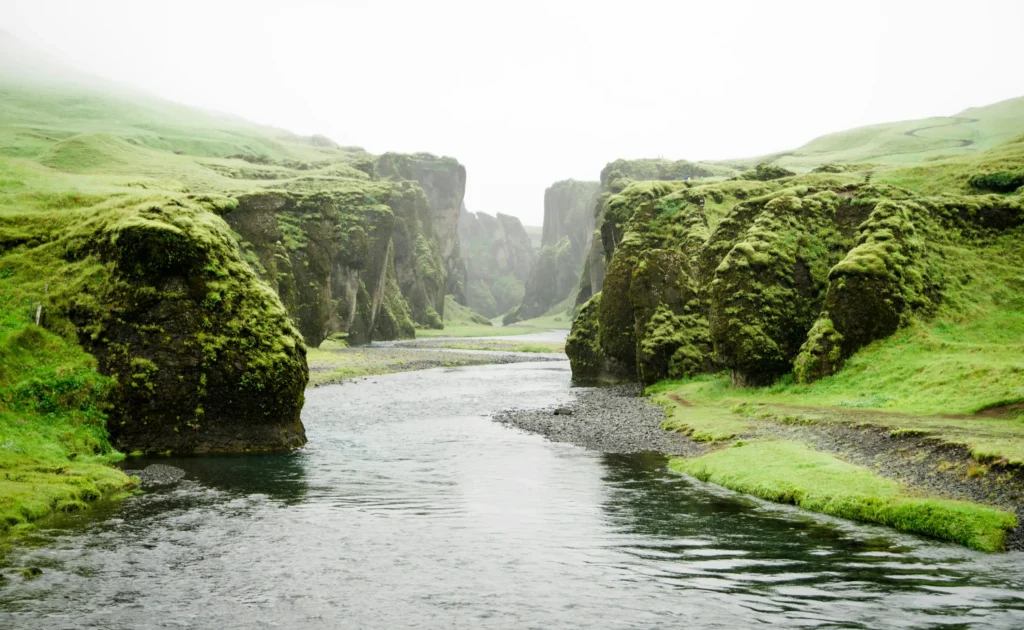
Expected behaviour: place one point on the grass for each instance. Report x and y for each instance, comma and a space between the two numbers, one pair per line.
981, 128
791, 472
525, 327
702, 424
54, 451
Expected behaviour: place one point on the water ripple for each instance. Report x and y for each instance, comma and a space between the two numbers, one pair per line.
411, 509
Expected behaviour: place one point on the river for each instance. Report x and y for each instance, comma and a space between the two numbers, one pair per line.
411, 508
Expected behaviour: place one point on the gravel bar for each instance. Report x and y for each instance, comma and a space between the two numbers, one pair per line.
609, 419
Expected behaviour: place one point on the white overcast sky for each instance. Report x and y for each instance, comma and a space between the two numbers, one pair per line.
527, 93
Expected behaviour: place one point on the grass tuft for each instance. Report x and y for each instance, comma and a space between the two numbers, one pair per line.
791, 472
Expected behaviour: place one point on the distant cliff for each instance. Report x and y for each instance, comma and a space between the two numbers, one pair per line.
568, 224
443, 180
499, 257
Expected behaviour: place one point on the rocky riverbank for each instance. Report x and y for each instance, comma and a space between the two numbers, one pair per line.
905, 466
608, 419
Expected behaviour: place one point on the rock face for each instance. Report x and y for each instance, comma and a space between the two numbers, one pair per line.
499, 257
615, 177
203, 355
568, 225
325, 254
443, 180
418, 266
362, 258
764, 278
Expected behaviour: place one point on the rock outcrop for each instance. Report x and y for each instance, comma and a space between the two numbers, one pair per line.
362, 257
203, 356
417, 262
764, 278
443, 180
499, 257
615, 177
568, 225
325, 254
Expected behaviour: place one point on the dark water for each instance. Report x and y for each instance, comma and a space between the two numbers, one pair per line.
410, 508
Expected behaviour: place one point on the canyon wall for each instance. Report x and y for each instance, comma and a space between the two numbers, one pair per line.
568, 224
499, 257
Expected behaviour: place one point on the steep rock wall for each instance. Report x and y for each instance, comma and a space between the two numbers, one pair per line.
325, 254
418, 265
443, 180
615, 177
769, 277
499, 257
568, 226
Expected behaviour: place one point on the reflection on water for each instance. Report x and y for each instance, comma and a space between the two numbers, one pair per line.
409, 508
281, 477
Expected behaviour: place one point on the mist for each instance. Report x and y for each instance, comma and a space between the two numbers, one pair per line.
529, 93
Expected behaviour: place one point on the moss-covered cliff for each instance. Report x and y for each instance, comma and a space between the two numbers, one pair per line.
326, 254
201, 355
615, 177
764, 278
443, 180
568, 225
499, 257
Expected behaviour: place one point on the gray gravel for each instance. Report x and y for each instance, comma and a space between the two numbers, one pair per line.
156, 475
608, 419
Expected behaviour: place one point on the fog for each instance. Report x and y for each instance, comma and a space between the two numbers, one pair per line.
527, 93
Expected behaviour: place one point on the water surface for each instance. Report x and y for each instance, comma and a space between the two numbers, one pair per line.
410, 508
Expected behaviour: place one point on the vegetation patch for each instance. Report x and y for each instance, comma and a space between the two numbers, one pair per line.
54, 448
701, 424
791, 472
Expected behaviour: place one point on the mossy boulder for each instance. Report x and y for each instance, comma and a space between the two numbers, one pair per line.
203, 355
765, 171
769, 289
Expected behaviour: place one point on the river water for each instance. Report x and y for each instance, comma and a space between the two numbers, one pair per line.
410, 508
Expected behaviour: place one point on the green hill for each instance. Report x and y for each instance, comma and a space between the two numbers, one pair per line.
969, 132
161, 267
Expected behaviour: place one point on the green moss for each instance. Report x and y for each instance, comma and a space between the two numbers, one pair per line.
765, 171
701, 424
790, 472
54, 448
583, 344
768, 290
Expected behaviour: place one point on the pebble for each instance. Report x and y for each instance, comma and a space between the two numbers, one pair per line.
608, 419
156, 475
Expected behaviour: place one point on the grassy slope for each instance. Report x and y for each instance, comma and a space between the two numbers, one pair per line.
74, 151
889, 144
460, 321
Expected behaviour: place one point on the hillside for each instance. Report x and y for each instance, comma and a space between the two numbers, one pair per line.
969, 132
163, 268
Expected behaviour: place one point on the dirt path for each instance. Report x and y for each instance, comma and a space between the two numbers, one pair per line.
959, 121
